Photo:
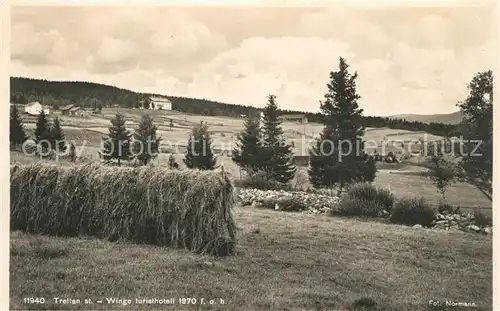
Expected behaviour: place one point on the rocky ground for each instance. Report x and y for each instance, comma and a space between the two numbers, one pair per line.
324, 204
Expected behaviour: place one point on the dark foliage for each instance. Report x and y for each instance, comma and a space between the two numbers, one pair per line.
17, 133
117, 145
338, 158
277, 155
199, 153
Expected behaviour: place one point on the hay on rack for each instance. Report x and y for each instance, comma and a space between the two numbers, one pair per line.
152, 205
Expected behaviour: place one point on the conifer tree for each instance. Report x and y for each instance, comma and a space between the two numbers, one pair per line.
277, 155
57, 141
43, 131
248, 153
117, 145
146, 144
17, 132
199, 153
338, 157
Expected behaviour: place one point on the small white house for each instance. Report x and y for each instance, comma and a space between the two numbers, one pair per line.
35, 108
160, 103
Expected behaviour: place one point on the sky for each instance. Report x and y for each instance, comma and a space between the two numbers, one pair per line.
409, 59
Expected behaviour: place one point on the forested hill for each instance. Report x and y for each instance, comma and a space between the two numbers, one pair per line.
87, 94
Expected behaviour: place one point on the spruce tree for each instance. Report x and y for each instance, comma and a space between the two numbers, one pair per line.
117, 144
57, 141
338, 157
146, 144
199, 153
248, 151
277, 154
17, 133
43, 131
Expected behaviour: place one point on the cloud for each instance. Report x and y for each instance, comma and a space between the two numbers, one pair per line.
416, 60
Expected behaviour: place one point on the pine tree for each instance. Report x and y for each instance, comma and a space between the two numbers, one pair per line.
172, 164
43, 131
277, 154
338, 158
117, 144
248, 151
199, 153
17, 133
146, 144
57, 141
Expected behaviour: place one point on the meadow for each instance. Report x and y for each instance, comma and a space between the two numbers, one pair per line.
282, 261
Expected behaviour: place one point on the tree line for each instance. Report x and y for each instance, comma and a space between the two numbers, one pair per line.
91, 95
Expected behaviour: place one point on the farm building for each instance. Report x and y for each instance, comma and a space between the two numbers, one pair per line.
160, 103
79, 112
35, 108
300, 118
74, 111
65, 109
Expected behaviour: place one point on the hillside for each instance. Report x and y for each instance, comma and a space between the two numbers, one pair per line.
87, 94
447, 118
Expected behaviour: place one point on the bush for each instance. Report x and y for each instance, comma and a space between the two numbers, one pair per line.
260, 180
151, 205
370, 193
363, 199
349, 206
412, 211
445, 208
482, 220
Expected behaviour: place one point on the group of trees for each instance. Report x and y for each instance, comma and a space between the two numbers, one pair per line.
262, 147
48, 134
121, 145
144, 145
338, 157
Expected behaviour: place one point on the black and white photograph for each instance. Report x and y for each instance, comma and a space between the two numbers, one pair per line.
250, 155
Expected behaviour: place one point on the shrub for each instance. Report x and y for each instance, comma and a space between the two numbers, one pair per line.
260, 180
351, 206
412, 211
481, 219
287, 204
151, 205
369, 192
363, 199
445, 208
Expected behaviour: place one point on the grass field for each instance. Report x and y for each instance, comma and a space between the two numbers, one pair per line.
284, 261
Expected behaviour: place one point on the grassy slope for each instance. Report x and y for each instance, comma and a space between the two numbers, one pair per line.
295, 261
447, 118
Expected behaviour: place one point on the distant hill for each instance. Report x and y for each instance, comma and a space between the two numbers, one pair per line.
89, 95
448, 118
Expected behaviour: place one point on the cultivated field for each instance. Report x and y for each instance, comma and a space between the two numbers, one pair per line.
284, 261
